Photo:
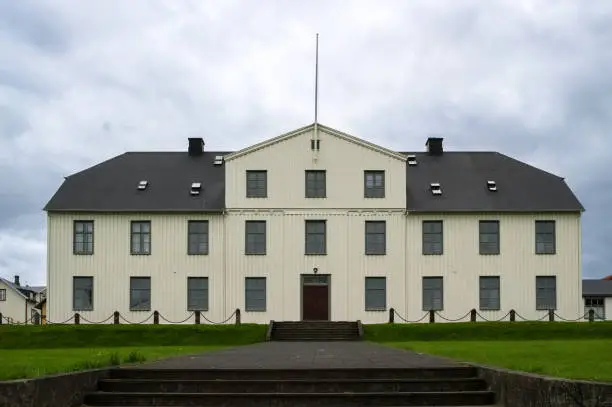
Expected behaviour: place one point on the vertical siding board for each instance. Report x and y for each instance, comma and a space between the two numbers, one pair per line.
517, 264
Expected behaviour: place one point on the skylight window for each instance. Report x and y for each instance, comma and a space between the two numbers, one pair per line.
218, 160
143, 184
491, 185
412, 159
435, 188
196, 185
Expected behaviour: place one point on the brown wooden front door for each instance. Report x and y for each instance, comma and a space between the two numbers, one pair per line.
315, 298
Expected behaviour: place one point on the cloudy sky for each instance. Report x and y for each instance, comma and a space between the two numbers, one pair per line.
81, 82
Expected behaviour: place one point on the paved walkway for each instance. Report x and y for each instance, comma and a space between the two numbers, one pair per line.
302, 355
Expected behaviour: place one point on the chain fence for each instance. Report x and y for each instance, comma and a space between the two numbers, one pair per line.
511, 316
76, 319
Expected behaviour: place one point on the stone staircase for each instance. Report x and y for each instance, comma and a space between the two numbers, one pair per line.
315, 331
430, 386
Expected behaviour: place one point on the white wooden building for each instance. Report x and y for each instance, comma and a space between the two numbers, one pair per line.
313, 224
17, 302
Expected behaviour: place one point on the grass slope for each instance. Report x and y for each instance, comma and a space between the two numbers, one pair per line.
104, 336
481, 331
25, 363
574, 359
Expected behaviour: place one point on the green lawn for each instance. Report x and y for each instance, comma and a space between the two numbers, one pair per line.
30, 351
569, 350
575, 359
24, 363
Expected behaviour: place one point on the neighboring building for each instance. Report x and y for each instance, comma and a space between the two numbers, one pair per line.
17, 302
313, 224
597, 296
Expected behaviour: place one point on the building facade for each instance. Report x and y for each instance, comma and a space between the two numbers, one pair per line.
314, 224
597, 296
18, 303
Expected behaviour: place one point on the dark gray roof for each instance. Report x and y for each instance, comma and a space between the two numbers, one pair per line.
23, 291
112, 184
463, 179
597, 287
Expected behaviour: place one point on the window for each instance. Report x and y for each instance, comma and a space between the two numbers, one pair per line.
432, 237
375, 293
82, 293
140, 293
3, 294
83, 237
255, 294
141, 237
597, 304
545, 237
315, 184
197, 231
433, 294
315, 237
257, 184
197, 293
489, 293
546, 292
374, 184
489, 236
255, 240
375, 237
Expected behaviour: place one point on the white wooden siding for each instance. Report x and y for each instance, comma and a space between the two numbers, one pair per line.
16, 308
112, 265
287, 161
517, 265
403, 265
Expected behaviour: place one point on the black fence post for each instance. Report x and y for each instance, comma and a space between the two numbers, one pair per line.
237, 316
512, 315
591, 315
1, 318
116, 317
391, 315
551, 315
77, 318
473, 315
156, 317
197, 317
432, 316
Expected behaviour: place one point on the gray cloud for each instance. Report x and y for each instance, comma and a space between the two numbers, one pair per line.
80, 83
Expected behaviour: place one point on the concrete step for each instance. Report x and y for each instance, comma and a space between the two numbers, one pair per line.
461, 398
291, 386
433, 372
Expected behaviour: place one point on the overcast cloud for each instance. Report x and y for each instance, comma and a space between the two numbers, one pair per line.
81, 82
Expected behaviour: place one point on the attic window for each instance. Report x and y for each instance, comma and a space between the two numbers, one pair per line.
143, 184
491, 185
412, 159
195, 188
218, 160
435, 188
315, 144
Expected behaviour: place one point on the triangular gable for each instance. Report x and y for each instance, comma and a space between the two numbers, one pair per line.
13, 287
328, 130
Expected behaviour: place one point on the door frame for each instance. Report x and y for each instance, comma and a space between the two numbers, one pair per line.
328, 284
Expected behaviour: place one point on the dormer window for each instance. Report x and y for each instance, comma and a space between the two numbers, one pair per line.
436, 189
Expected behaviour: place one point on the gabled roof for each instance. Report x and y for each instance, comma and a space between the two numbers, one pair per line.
111, 186
310, 127
601, 288
22, 291
463, 180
